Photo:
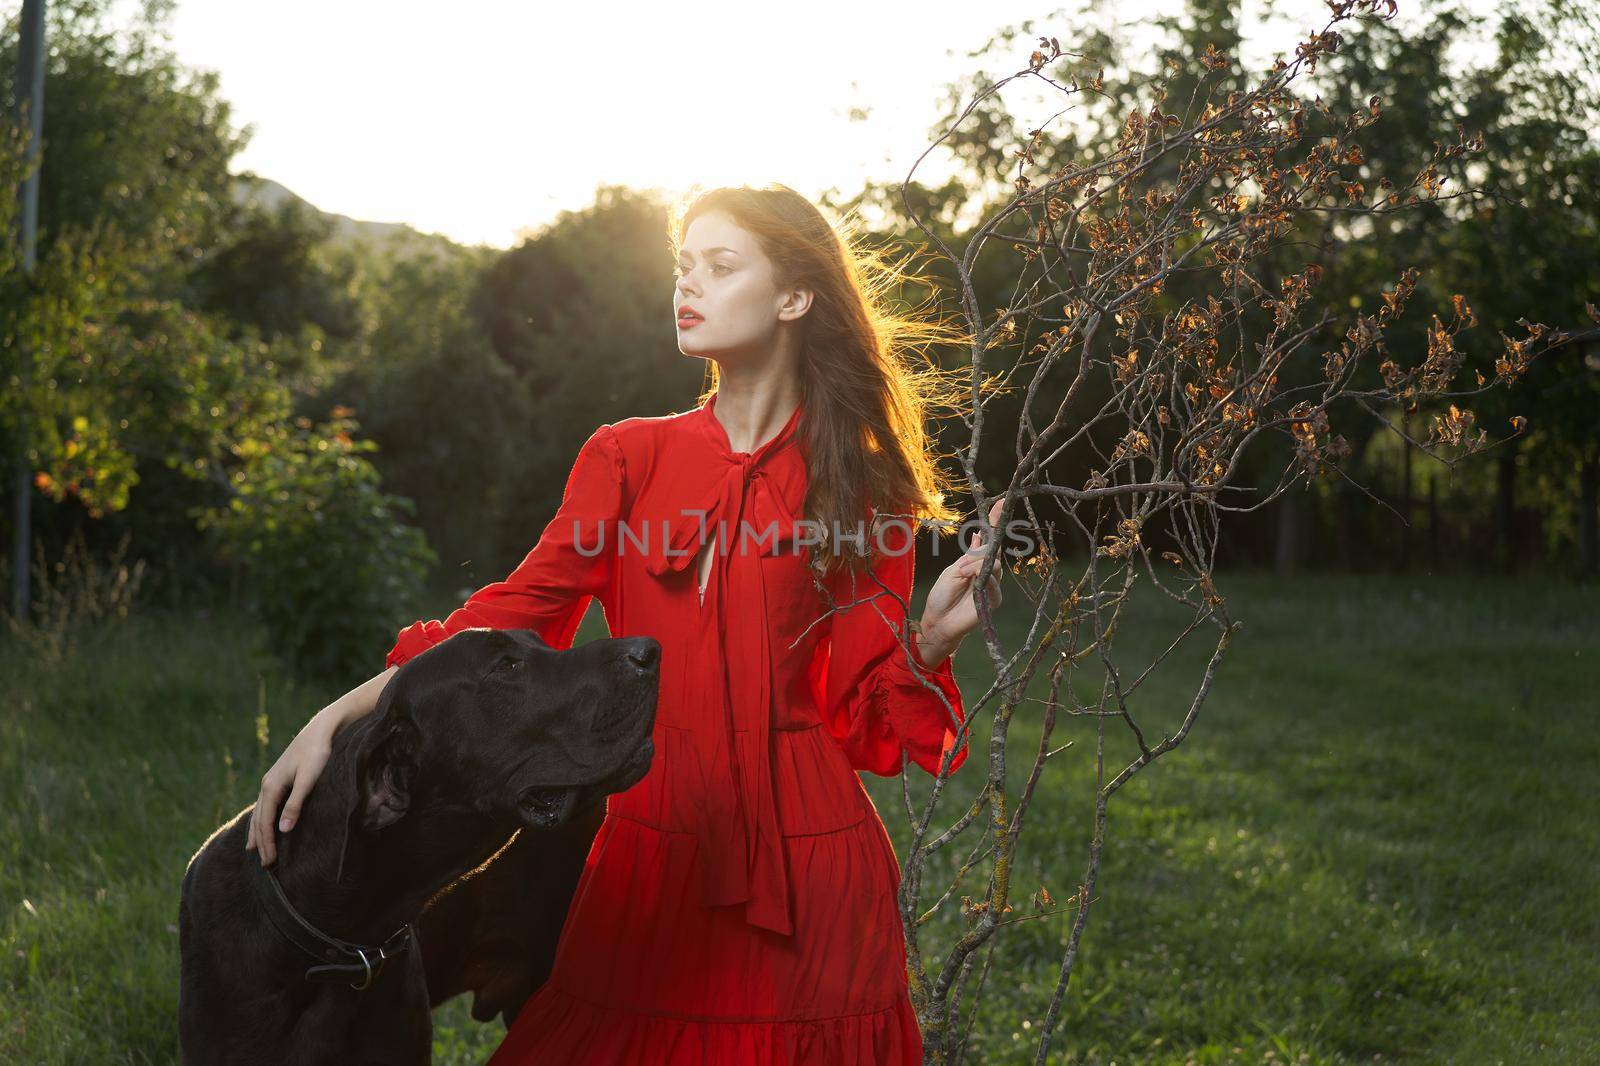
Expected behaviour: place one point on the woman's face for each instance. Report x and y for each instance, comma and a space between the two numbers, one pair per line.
727, 281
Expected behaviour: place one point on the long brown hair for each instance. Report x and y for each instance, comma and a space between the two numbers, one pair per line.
866, 382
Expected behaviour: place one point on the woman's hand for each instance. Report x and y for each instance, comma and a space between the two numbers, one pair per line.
951, 611
301, 763
295, 772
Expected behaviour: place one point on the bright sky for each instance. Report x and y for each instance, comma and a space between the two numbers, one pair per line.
480, 118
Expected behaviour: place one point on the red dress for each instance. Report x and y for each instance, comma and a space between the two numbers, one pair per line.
738, 905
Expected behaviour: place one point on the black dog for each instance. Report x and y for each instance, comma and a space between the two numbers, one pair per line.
485, 733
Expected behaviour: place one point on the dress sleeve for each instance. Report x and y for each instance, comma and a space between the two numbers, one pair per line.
550, 589
873, 700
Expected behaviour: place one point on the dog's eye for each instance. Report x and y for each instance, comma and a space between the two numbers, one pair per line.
508, 662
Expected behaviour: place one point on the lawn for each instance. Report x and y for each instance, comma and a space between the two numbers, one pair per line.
1379, 843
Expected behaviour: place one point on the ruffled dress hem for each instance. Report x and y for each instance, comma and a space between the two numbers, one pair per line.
564, 1028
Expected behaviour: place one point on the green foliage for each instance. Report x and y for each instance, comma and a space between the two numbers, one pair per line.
326, 555
483, 372
136, 144
133, 181
274, 271
450, 418
582, 310
168, 330
1516, 74
60, 367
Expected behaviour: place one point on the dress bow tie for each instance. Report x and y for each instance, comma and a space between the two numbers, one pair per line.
740, 844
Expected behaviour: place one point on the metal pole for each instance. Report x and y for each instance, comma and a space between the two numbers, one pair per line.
30, 107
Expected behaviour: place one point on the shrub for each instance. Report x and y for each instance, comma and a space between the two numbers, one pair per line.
326, 555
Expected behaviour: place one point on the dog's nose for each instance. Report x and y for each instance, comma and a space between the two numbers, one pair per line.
645, 653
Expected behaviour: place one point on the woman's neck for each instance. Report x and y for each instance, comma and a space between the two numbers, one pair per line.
753, 412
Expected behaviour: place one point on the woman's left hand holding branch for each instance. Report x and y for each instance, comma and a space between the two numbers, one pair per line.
951, 611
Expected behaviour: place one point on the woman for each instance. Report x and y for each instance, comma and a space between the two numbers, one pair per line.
738, 904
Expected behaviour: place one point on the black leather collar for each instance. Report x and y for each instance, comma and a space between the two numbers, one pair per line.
339, 959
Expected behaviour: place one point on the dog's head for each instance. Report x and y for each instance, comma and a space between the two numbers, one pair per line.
495, 722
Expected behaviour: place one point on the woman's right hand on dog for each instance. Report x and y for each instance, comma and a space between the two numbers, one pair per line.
295, 772
301, 763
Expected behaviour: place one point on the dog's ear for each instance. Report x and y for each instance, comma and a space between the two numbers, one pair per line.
385, 775
383, 764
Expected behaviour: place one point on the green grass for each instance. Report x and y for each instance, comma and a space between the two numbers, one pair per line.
1378, 843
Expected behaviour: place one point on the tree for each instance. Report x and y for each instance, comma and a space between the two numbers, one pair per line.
453, 421
114, 379
582, 313
1532, 99
137, 146
133, 178
1154, 325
